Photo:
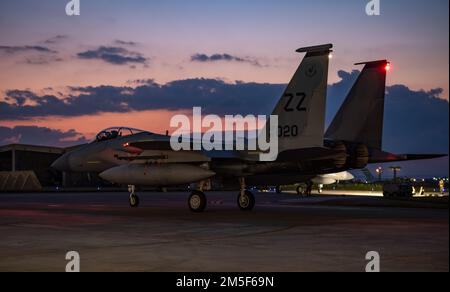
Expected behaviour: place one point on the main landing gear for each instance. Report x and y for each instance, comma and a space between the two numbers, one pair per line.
304, 189
197, 201
134, 199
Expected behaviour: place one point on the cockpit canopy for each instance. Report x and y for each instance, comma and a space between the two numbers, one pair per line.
116, 132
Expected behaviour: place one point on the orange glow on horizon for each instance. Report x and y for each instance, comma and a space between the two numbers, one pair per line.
157, 121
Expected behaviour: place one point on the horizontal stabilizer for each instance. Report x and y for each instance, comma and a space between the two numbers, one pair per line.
381, 157
423, 156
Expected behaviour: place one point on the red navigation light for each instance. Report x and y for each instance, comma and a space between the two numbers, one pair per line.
387, 67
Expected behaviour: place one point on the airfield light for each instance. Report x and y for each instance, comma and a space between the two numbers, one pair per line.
395, 169
126, 144
379, 171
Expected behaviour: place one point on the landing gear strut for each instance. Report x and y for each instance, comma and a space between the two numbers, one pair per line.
134, 199
246, 199
320, 188
309, 186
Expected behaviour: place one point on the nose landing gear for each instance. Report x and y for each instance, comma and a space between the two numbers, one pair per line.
245, 200
134, 199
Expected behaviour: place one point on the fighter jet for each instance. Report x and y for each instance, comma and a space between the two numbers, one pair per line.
132, 157
138, 158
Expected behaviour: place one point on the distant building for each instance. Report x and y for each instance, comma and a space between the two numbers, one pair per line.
27, 168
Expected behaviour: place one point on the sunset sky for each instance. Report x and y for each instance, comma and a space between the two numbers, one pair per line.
48, 59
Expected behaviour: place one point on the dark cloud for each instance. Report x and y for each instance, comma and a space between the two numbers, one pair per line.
114, 55
142, 82
415, 121
22, 49
56, 39
42, 60
338, 91
215, 96
40, 136
418, 120
32, 55
125, 43
223, 57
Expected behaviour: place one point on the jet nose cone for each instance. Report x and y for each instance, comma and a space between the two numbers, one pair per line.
62, 163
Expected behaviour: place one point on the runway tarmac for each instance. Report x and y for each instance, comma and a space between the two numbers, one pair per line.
283, 233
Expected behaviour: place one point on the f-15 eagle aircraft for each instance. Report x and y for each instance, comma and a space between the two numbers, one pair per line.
144, 158
138, 158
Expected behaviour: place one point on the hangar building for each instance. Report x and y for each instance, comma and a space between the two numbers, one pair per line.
27, 168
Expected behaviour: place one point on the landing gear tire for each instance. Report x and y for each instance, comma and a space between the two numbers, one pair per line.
320, 189
300, 191
134, 201
246, 201
197, 202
